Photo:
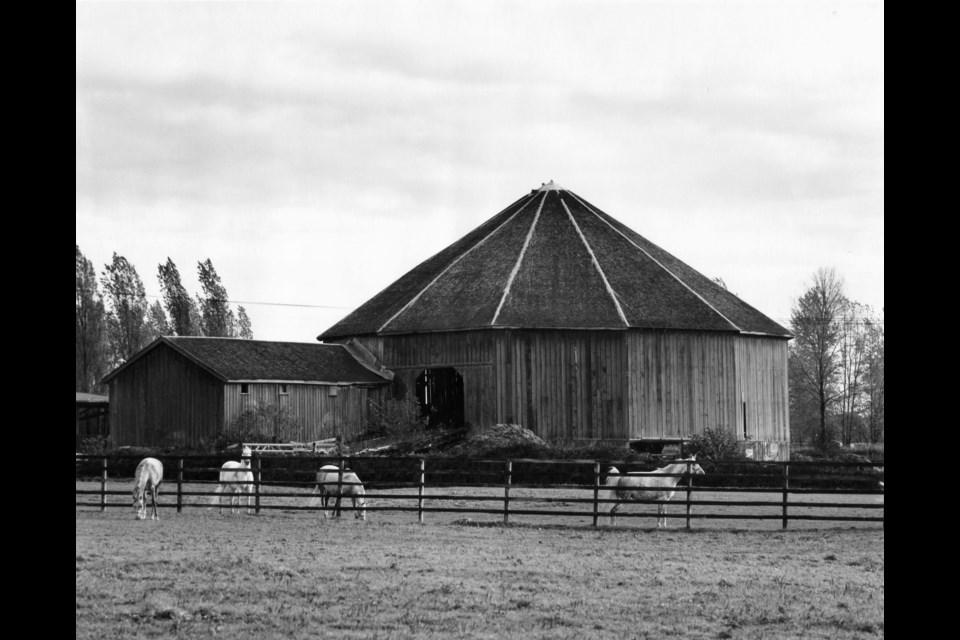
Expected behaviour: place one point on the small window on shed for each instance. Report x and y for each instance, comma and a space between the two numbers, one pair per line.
244, 388
283, 389
332, 391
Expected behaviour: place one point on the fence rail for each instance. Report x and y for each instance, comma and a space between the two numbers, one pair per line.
801, 491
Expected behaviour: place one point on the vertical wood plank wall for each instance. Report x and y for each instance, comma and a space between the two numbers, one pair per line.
605, 385
681, 383
321, 415
163, 399
762, 384
471, 353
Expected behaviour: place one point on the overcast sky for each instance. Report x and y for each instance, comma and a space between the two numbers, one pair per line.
317, 151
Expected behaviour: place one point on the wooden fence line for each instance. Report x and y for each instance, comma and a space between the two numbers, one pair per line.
784, 490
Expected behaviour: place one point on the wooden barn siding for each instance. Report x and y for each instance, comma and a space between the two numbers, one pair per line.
321, 415
562, 385
680, 382
471, 353
163, 399
605, 385
762, 384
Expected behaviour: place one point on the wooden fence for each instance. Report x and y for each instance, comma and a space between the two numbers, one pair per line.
743, 490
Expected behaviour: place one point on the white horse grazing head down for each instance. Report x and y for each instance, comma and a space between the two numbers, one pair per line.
659, 484
147, 479
236, 480
332, 484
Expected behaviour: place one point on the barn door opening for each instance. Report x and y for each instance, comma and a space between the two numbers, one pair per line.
440, 392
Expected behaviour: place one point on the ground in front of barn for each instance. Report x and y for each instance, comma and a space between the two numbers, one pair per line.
293, 574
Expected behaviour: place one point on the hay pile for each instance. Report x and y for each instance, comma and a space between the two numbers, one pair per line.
499, 439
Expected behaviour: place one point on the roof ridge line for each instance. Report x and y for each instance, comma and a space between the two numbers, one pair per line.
451, 265
516, 267
603, 276
660, 264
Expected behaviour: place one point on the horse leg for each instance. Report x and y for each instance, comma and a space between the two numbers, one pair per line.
153, 498
613, 513
661, 517
336, 506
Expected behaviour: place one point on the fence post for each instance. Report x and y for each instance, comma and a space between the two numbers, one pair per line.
256, 486
103, 486
689, 489
179, 485
786, 486
596, 491
340, 467
506, 493
420, 492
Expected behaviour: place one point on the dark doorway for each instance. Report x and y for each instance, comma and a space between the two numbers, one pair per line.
440, 392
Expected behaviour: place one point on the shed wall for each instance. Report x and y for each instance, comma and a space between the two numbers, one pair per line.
325, 411
163, 399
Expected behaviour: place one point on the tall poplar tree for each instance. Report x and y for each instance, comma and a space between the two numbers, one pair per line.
216, 316
244, 330
127, 313
181, 308
93, 359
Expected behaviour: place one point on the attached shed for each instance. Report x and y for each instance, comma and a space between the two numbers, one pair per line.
180, 391
92, 416
554, 315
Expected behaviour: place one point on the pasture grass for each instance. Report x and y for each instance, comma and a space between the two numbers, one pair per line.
287, 574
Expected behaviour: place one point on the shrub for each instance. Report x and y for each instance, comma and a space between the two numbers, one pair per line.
96, 445
399, 419
715, 444
263, 423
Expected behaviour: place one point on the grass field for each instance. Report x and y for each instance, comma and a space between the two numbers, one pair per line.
294, 574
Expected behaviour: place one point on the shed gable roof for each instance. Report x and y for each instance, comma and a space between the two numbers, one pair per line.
551, 260
235, 359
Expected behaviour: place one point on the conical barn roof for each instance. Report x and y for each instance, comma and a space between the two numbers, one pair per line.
552, 260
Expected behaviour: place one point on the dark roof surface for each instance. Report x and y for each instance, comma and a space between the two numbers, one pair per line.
234, 359
553, 260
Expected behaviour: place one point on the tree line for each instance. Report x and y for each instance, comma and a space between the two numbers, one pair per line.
835, 366
114, 325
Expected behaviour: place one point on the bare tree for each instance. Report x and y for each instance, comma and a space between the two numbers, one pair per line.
874, 379
853, 359
815, 353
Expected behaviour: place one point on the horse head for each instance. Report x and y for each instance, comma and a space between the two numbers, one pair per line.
247, 452
693, 468
139, 503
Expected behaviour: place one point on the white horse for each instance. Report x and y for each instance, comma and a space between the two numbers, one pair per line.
331, 485
148, 476
649, 485
237, 480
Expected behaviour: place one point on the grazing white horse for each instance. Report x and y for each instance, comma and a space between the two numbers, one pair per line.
148, 476
350, 485
649, 485
236, 479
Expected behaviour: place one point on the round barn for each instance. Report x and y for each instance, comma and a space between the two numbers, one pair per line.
554, 315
